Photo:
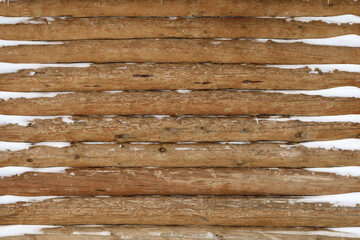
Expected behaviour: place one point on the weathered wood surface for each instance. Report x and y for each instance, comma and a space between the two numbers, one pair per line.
117, 28
94, 8
226, 211
179, 155
179, 51
180, 103
177, 181
182, 232
173, 129
111, 77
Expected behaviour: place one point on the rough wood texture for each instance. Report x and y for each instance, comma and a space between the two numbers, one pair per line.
94, 8
179, 51
179, 103
177, 181
110, 77
179, 155
117, 28
182, 232
227, 211
172, 129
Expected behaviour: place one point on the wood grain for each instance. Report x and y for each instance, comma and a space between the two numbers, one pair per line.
223, 211
182, 232
173, 129
94, 8
177, 181
180, 155
111, 77
179, 51
179, 103
118, 28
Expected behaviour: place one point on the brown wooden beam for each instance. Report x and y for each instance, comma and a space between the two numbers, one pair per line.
223, 211
110, 77
95, 8
179, 51
180, 155
118, 28
172, 129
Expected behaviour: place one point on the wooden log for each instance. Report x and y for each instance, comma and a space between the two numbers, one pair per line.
182, 232
179, 155
110, 77
118, 28
180, 103
179, 51
223, 211
95, 8
172, 129
177, 181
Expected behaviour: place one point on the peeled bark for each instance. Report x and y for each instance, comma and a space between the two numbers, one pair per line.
172, 129
117, 28
180, 155
223, 211
179, 103
95, 8
112, 77
179, 51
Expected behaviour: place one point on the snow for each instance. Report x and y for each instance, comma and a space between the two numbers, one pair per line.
351, 230
12, 171
7, 43
183, 91
15, 67
355, 118
350, 40
25, 120
14, 95
330, 232
338, 200
343, 171
25, 20
20, 230
346, 91
325, 68
351, 144
10, 199
17, 146
341, 19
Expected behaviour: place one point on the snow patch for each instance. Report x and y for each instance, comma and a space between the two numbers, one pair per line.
341, 19
343, 171
324, 68
355, 231
25, 120
350, 40
347, 91
17, 146
25, 20
331, 232
10, 199
15, 67
338, 200
20, 230
8, 43
355, 118
183, 91
12, 171
351, 144
14, 95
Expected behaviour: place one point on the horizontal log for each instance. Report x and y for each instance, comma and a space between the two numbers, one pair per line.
179, 51
177, 181
182, 232
94, 8
110, 77
179, 155
117, 28
226, 211
179, 103
172, 129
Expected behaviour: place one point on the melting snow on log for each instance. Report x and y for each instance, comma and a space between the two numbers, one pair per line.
347, 91
338, 200
324, 68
